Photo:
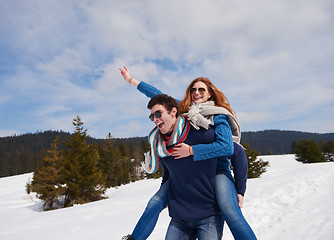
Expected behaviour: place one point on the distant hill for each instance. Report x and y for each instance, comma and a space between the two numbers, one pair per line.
280, 141
21, 154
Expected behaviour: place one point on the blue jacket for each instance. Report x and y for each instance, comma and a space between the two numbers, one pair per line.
222, 147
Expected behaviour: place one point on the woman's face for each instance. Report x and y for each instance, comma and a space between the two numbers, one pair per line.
199, 93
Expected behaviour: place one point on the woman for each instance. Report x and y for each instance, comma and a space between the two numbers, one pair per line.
200, 97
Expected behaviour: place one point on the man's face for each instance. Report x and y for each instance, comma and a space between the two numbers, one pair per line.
167, 120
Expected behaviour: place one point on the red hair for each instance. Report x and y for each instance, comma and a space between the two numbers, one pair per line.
217, 96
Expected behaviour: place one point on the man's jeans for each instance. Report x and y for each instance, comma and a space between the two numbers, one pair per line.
227, 198
205, 229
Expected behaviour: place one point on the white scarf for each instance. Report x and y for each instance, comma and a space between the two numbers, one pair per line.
201, 115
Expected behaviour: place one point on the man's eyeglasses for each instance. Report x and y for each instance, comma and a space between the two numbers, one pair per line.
156, 114
200, 90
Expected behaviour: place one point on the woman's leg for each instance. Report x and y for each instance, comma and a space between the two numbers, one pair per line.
227, 198
150, 216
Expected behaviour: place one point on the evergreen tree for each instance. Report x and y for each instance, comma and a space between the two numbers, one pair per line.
47, 181
84, 181
157, 174
5, 165
124, 163
307, 151
293, 146
256, 166
328, 150
22, 153
327, 147
109, 162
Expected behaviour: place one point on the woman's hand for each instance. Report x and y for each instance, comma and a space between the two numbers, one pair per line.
182, 150
126, 74
241, 200
127, 77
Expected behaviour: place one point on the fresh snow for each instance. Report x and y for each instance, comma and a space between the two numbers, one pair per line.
290, 201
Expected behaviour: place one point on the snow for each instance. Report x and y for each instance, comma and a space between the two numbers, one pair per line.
290, 201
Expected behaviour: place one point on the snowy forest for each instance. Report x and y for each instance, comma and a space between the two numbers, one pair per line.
23, 153
76, 169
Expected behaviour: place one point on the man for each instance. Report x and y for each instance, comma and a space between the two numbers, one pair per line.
191, 196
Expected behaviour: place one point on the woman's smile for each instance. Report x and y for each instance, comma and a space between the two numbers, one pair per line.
200, 93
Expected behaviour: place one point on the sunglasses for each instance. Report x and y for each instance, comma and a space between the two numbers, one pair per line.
156, 114
200, 90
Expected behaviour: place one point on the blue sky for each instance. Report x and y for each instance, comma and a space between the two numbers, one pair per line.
58, 59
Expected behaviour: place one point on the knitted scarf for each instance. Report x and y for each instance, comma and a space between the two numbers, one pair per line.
159, 145
201, 115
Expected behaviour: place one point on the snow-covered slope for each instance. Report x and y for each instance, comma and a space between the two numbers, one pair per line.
290, 201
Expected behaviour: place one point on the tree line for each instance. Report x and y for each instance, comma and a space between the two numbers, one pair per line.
278, 142
81, 172
23, 153
79, 169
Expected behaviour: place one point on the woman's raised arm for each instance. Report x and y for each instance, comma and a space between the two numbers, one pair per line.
127, 77
142, 87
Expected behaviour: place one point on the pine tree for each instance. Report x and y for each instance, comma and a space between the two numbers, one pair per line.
108, 162
84, 181
47, 180
5, 165
256, 166
328, 150
308, 151
327, 147
293, 146
124, 163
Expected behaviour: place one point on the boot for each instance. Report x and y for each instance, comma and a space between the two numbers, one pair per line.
128, 237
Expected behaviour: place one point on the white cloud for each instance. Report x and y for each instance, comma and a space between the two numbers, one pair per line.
69, 61
259, 117
273, 59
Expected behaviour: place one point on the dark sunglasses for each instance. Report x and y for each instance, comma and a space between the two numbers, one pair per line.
156, 114
200, 90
